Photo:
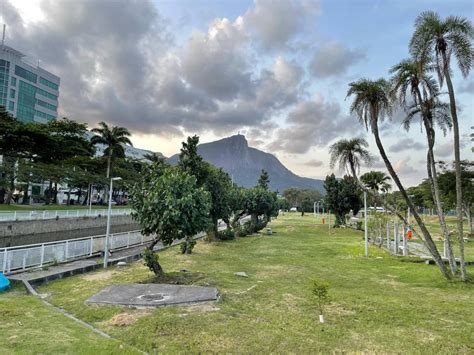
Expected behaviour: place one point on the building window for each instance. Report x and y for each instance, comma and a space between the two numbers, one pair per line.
11, 105
44, 115
25, 74
46, 94
45, 104
49, 83
26, 102
13, 81
12, 94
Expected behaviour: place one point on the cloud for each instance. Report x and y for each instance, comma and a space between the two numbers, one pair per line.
333, 58
276, 23
312, 123
467, 86
314, 163
405, 144
403, 168
132, 73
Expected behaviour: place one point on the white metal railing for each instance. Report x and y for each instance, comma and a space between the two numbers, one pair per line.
52, 214
36, 255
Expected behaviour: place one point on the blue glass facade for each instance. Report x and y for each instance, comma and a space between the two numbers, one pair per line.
4, 78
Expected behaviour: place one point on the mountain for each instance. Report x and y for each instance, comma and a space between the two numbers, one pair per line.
245, 164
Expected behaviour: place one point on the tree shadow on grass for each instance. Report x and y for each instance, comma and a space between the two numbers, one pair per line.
176, 278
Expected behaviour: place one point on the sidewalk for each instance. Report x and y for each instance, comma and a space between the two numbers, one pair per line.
38, 277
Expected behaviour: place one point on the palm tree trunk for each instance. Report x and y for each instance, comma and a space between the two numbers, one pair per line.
467, 209
426, 234
433, 177
457, 164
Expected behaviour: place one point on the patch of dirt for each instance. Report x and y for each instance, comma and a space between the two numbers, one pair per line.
290, 228
200, 308
335, 308
126, 319
176, 278
104, 275
292, 301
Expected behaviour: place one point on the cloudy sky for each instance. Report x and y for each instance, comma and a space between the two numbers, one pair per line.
276, 71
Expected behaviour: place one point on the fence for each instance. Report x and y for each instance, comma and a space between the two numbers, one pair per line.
36, 255
52, 214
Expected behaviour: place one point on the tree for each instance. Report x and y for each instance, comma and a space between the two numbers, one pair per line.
191, 162
263, 180
295, 197
377, 181
349, 154
219, 186
342, 196
443, 38
411, 76
371, 103
113, 137
171, 206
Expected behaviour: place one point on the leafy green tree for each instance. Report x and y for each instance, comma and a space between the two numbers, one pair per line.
442, 39
170, 206
295, 197
342, 196
283, 204
263, 180
113, 137
371, 103
219, 185
191, 162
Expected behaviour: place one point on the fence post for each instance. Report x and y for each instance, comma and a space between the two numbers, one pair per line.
42, 255
142, 238
31, 215
56, 214
67, 213
395, 238
405, 242
388, 234
14, 216
24, 261
128, 239
92, 244
77, 213
5, 255
44, 214
66, 251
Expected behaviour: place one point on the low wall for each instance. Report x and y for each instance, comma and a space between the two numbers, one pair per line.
14, 233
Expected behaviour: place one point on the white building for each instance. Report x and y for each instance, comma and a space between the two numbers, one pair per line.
28, 92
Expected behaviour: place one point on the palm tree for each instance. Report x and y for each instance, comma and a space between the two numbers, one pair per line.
349, 153
376, 181
443, 38
411, 77
113, 138
371, 103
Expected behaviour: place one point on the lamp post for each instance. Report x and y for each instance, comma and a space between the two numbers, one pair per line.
107, 233
366, 232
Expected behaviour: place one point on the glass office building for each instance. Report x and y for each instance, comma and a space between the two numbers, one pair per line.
28, 92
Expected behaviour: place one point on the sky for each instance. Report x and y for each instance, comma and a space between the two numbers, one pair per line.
276, 71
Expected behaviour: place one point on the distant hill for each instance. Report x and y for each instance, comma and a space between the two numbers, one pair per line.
244, 164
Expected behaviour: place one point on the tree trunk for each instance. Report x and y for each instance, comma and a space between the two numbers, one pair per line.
153, 263
467, 209
426, 234
55, 197
26, 199
457, 164
433, 177
79, 193
50, 190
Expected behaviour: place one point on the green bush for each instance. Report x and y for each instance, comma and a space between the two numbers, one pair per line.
226, 234
187, 246
150, 258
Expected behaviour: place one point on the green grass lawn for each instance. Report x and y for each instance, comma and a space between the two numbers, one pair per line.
8, 208
378, 304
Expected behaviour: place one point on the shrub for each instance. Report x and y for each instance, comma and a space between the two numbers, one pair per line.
150, 258
187, 246
319, 289
226, 234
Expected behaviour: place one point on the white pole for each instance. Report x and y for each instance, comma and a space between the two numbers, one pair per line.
314, 208
106, 248
366, 231
90, 199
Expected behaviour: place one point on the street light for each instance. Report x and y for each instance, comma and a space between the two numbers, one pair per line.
109, 211
366, 232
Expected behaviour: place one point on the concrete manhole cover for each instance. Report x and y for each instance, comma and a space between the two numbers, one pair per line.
154, 295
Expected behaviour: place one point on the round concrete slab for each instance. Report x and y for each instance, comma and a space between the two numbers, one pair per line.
154, 295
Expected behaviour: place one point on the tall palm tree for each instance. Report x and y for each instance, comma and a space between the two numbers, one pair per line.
453, 35
349, 153
112, 137
377, 181
412, 77
371, 103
